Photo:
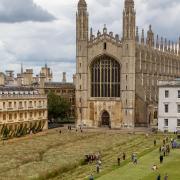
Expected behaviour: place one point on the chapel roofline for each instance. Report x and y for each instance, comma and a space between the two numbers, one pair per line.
157, 43
104, 35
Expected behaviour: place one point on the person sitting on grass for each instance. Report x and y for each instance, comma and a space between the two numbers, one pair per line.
154, 168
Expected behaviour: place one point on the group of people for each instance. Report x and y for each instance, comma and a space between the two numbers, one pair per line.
70, 128
164, 150
90, 158
97, 157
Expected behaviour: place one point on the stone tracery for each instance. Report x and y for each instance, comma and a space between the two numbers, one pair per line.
105, 77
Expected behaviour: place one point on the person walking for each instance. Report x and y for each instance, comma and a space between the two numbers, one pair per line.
172, 141
159, 177
124, 156
97, 168
135, 159
154, 142
119, 161
161, 158
99, 163
166, 177
167, 139
132, 157
164, 141
164, 151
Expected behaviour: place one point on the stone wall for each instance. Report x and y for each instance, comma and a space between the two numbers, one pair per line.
113, 107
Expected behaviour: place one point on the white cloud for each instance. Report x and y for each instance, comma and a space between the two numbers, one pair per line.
35, 43
22, 10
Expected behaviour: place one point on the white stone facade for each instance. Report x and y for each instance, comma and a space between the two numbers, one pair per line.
169, 106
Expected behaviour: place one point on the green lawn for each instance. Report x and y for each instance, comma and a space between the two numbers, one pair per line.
143, 170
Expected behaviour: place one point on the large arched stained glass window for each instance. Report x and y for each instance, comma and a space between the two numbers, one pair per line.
105, 77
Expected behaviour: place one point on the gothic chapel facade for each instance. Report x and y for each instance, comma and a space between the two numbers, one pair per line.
116, 78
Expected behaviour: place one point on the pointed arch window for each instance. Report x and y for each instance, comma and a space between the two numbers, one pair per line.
105, 77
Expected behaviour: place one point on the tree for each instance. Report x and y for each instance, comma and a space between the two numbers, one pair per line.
58, 107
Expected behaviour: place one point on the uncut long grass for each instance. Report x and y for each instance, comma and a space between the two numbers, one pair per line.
59, 156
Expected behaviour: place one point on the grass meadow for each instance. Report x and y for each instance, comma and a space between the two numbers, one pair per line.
51, 155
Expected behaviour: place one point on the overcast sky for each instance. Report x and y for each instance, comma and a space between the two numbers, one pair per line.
35, 32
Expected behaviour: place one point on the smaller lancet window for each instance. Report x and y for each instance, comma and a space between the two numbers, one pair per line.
105, 46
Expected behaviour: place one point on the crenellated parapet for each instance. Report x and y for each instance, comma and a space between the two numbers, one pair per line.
104, 35
161, 44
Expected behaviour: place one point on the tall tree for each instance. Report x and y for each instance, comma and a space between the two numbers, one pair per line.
58, 107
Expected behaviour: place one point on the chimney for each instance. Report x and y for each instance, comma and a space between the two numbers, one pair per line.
74, 79
64, 77
2, 79
42, 78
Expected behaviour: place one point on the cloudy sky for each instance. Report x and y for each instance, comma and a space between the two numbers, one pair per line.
35, 32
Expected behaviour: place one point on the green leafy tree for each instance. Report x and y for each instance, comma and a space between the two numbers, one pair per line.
58, 107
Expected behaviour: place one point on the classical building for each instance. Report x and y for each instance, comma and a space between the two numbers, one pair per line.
169, 106
116, 78
22, 108
65, 90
